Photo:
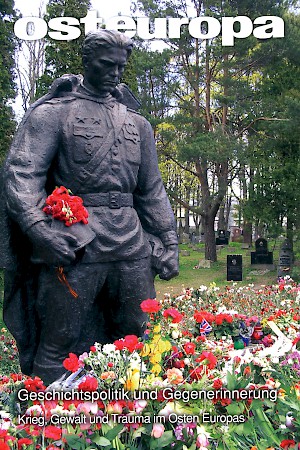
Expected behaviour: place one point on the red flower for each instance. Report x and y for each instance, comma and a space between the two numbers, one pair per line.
4, 446
72, 363
217, 384
65, 207
189, 348
219, 319
296, 340
150, 306
119, 344
34, 384
16, 376
89, 384
196, 374
287, 443
93, 349
24, 442
209, 359
199, 316
130, 342
52, 432
247, 371
173, 314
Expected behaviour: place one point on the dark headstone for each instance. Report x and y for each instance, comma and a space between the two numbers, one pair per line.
222, 238
234, 268
286, 259
261, 254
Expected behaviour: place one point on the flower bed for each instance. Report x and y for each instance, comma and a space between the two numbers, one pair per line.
185, 385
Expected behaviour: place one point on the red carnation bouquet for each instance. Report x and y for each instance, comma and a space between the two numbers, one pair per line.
64, 206
68, 208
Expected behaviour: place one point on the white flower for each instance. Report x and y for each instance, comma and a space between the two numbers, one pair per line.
109, 349
5, 420
175, 334
35, 410
139, 405
203, 288
61, 411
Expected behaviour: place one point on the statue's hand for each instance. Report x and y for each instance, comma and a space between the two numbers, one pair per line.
52, 248
169, 263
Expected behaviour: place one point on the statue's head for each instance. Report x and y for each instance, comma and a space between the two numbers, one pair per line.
106, 39
105, 54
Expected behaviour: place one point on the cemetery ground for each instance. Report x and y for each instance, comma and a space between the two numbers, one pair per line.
189, 276
218, 369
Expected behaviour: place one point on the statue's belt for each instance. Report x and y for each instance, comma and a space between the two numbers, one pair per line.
113, 200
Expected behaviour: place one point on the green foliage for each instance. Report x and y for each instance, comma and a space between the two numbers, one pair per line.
214, 102
276, 141
63, 57
7, 86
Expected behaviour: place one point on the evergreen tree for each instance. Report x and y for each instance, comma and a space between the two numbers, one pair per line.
275, 158
63, 57
215, 100
7, 87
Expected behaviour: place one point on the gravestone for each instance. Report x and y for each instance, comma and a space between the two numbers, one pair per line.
234, 268
203, 264
236, 234
222, 238
193, 238
245, 246
286, 259
261, 254
200, 249
185, 238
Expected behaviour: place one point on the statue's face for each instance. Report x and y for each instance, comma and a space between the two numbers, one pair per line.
104, 69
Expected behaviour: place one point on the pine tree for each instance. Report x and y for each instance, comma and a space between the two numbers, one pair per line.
7, 87
63, 57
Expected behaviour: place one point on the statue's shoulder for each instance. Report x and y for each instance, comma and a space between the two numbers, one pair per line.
59, 94
140, 121
136, 115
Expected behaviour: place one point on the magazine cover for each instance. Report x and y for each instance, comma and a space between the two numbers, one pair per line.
150, 248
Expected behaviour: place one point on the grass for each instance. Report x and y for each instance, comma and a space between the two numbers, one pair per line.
190, 277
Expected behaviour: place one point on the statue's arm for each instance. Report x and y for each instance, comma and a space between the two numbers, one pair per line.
26, 169
31, 154
152, 203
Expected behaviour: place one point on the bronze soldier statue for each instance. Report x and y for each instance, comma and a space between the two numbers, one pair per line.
83, 137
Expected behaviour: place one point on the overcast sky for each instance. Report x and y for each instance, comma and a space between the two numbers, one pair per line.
106, 8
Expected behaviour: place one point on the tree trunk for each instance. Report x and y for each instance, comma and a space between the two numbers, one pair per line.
187, 221
289, 230
210, 239
247, 233
222, 222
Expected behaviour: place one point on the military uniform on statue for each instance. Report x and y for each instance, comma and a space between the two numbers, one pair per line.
82, 137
